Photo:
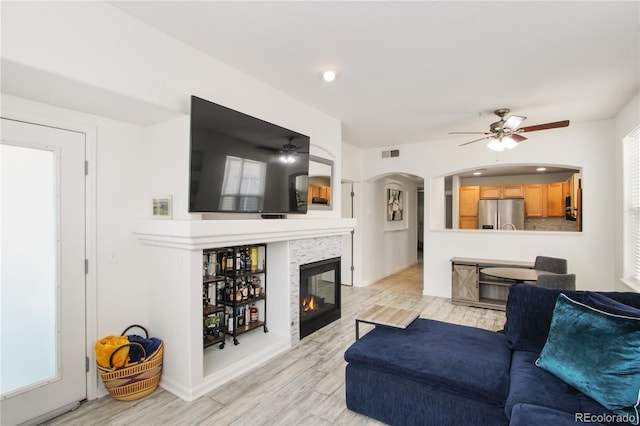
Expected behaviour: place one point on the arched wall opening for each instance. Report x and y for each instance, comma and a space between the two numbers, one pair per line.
550, 197
393, 226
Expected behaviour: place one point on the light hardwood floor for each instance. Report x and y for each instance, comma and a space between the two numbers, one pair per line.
304, 386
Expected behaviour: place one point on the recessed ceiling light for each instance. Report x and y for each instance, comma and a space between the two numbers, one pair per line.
541, 169
477, 173
329, 75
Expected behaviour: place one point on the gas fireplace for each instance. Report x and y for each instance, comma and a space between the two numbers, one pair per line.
319, 295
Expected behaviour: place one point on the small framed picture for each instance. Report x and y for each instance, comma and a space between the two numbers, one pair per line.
395, 211
163, 207
395, 207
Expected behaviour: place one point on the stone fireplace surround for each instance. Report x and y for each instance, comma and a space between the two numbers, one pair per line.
303, 252
173, 255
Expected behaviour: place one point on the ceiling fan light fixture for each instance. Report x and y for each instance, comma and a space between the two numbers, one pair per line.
509, 143
502, 144
329, 75
495, 145
287, 159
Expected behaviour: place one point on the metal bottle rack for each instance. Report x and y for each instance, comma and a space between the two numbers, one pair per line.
234, 283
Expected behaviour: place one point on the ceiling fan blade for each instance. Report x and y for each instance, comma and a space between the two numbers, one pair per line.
545, 126
477, 140
516, 137
513, 122
469, 133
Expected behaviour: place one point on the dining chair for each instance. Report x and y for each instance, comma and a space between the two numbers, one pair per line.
551, 264
557, 281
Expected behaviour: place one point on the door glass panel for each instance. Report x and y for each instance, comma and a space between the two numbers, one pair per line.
28, 287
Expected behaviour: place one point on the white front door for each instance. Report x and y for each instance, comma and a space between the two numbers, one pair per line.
42, 297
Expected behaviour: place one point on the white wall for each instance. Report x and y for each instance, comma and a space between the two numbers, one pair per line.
352, 170
584, 145
96, 49
166, 157
627, 119
89, 64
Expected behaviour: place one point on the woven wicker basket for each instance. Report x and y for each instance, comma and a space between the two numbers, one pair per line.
135, 380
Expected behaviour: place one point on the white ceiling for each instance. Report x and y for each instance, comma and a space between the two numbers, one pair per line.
413, 71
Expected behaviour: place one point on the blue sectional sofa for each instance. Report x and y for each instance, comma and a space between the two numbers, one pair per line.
436, 373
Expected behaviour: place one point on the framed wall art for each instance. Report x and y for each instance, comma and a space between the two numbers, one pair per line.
395, 205
162, 207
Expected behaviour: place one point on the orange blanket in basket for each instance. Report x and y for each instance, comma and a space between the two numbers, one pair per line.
106, 346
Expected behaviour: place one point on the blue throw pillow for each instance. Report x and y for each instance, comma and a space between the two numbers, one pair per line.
596, 352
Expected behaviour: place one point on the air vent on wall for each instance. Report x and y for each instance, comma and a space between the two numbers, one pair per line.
390, 154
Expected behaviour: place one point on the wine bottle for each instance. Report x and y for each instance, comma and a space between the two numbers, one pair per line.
253, 313
253, 255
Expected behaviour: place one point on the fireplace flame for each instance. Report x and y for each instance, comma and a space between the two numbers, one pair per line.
310, 304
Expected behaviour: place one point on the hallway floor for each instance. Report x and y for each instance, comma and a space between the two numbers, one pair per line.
409, 280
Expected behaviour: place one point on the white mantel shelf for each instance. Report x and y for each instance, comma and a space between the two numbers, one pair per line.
201, 234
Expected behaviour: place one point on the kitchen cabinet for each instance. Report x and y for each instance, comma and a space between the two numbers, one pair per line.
490, 192
512, 191
468, 222
470, 287
504, 191
319, 194
533, 200
573, 188
546, 200
555, 200
468, 207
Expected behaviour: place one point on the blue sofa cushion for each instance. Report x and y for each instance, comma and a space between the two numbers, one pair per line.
527, 415
398, 400
535, 386
606, 304
597, 353
529, 311
464, 360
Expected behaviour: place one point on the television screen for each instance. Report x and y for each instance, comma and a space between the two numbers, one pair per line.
243, 164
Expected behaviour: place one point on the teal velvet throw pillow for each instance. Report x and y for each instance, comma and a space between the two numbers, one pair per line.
597, 353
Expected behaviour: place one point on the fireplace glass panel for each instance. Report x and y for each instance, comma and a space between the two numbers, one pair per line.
319, 295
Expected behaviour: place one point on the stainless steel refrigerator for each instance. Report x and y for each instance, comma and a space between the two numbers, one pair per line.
501, 214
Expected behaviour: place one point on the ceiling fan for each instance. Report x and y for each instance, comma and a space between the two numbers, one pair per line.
506, 134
